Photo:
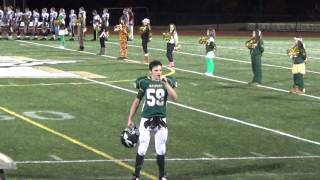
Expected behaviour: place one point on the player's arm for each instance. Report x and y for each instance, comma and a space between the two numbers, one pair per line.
133, 110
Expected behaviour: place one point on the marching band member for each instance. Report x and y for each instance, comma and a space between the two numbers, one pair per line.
172, 40
102, 36
299, 58
45, 23
122, 28
62, 26
96, 21
105, 18
145, 32
210, 45
81, 27
72, 24
256, 47
35, 22
131, 23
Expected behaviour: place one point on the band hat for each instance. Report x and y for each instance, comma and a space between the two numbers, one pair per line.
146, 20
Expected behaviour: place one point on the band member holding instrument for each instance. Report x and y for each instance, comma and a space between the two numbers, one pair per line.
299, 58
256, 47
146, 36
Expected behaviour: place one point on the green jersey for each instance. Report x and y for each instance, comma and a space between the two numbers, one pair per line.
155, 96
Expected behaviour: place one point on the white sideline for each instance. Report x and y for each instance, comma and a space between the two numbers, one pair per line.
210, 113
173, 159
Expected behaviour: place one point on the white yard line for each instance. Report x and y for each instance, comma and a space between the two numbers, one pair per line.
174, 159
305, 153
216, 115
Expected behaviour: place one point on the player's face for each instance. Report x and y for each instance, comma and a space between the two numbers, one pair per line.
156, 72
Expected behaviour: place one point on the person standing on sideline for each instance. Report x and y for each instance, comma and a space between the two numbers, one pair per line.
172, 40
299, 58
256, 47
62, 26
72, 24
122, 28
211, 47
102, 37
81, 27
145, 32
131, 23
155, 89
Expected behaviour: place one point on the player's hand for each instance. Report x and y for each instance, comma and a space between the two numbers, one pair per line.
131, 124
163, 79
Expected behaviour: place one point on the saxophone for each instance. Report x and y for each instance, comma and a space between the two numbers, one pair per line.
166, 36
203, 40
250, 44
293, 52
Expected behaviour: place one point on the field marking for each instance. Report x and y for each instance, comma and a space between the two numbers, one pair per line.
76, 142
223, 58
190, 71
209, 155
55, 157
215, 114
174, 159
305, 153
258, 154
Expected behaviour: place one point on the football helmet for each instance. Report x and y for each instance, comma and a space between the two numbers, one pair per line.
129, 137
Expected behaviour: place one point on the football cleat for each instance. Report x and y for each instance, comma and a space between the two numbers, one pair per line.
129, 137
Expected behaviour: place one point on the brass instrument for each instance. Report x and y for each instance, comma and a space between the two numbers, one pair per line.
142, 29
118, 27
78, 22
97, 27
251, 43
293, 52
177, 47
166, 36
57, 22
203, 40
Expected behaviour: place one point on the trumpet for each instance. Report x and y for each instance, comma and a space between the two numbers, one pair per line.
293, 52
166, 36
250, 44
203, 40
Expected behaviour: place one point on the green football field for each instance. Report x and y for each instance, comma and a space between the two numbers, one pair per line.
220, 128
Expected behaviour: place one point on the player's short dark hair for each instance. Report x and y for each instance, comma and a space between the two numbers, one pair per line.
154, 63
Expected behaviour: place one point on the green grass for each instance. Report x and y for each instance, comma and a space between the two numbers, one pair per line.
100, 113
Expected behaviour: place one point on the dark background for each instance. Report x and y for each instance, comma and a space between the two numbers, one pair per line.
192, 12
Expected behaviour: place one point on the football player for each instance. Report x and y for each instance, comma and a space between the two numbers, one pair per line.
35, 22
72, 23
155, 89
45, 23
